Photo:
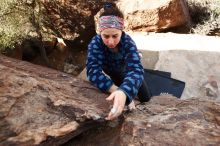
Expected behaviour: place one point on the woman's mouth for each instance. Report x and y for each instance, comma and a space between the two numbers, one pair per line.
111, 47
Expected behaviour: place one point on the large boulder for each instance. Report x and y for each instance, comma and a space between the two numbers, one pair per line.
145, 15
41, 106
200, 71
190, 58
163, 121
69, 19
167, 121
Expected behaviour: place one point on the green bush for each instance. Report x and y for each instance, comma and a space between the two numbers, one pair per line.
14, 26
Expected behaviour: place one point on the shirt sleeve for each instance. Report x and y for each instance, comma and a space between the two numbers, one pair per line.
133, 72
94, 64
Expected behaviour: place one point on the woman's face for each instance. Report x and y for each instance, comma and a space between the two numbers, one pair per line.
111, 37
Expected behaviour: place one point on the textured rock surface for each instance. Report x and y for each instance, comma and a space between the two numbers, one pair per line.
168, 121
40, 106
145, 15
70, 19
163, 121
44, 106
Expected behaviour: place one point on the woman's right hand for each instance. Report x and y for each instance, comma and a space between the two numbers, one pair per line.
119, 98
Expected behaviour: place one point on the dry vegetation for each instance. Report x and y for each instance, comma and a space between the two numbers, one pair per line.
205, 16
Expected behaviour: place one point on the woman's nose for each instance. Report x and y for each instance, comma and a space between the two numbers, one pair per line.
110, 41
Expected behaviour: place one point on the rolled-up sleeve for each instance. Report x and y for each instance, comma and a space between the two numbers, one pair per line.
134, 71
94, 64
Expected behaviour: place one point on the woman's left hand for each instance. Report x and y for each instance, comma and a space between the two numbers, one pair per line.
119, 98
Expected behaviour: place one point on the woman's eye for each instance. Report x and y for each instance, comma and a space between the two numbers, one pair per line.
106, 37
114, 36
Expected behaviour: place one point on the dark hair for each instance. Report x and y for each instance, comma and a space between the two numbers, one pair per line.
110, 8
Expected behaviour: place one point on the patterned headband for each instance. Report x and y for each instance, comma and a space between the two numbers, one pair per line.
110, 22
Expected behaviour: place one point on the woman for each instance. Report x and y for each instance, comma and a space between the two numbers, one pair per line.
113, 63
